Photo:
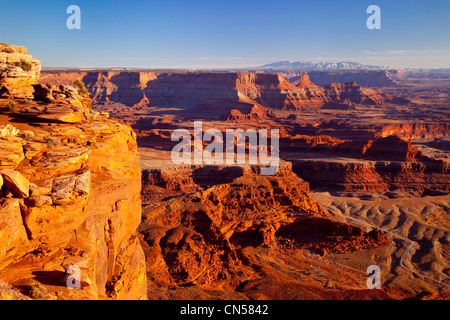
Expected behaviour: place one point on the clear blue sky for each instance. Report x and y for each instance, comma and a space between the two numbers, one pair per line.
228, 33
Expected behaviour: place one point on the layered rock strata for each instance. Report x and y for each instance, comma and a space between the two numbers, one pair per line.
70, 194
18, 71
213, 237
219, 95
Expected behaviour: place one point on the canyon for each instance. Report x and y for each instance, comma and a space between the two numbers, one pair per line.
88, 180
251, 237
147, 100
199, 91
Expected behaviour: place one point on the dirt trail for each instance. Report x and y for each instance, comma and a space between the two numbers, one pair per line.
368, 214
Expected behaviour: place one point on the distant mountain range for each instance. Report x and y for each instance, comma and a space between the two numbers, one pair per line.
308, 65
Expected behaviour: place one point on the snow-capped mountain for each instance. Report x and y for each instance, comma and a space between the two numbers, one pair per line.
308, 65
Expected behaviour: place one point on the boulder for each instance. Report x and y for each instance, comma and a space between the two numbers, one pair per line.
13, 235
36, 191
17, 184
43, 93
39, 201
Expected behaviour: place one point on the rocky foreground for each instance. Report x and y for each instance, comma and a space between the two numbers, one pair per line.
70, 191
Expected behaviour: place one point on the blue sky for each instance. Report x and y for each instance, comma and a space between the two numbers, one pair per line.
229, 33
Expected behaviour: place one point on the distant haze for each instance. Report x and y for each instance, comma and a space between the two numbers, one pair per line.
308, 65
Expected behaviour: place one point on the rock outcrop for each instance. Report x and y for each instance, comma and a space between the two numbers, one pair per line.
158, 184
211, 236
70, 193
378, 165
18, 71
416, 130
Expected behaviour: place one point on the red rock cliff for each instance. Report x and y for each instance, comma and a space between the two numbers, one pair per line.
382, 164
70, 193
216, 93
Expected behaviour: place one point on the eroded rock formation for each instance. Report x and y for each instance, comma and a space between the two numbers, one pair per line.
70, 191
378, 165
158, 184
218, 95
18, 71
210, 232
225, 231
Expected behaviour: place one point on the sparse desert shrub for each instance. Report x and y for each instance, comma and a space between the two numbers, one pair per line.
11, 107
52, 141
6, 296
38, 292
26, 66
81, 88
94, 115
28, 135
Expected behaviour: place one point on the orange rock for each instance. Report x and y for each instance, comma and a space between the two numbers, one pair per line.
36, 191
13, 235
83, 204
39, 201
66, 190
16, 183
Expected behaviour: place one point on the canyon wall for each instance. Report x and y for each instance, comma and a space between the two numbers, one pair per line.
216, 94
418, 130
226, 239
70, 194
373, 176
377, 165
158, 184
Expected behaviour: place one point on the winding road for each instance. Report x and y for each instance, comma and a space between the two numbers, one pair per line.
411, 243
